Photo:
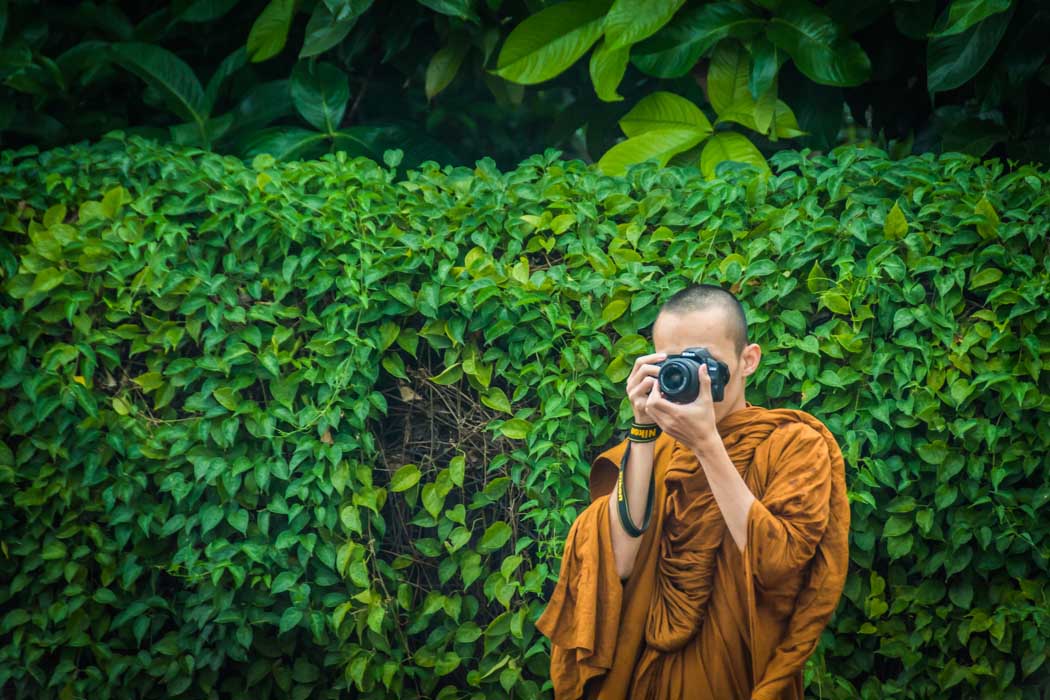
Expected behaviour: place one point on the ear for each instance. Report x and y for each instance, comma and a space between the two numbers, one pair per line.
750, 358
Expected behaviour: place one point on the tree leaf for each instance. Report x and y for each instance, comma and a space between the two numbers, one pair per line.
813, 42
963, 14
168, 74
674, 50
729, 146
445, 64
289, 619
664, 110
320, 92
896, 225
658, 144
269, 32
630, 21
463, 9
496, 535
953, 60
405, 478
607, 68
516, 428
325, 30
548, 42
285, 142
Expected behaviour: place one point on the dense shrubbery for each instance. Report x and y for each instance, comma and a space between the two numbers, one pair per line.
279, 430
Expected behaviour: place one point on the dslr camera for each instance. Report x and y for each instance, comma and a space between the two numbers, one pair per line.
678, 378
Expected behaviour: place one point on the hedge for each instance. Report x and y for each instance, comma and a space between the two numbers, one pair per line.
319, 429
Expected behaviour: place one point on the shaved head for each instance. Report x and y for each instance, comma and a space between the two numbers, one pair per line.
704, 297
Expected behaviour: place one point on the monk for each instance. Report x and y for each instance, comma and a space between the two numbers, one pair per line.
725, 592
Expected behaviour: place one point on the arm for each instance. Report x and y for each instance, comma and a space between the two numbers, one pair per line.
636, 481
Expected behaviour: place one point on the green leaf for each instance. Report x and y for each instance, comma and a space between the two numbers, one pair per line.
405, 478
444, 65
674, 50
168, 75
289, 619
283, 581
211, 515
496, 399
447, 663
320, 92
895, 226
463, 9
496, 535
813, 42
664, 110
433, 500
325, 29
607, 68
963, 14
990, 226
953, 60
658, 144
548, 42
269, 32
630, 21
835, 302
516, 428
285, 142
766, 60
728, 89
730, 146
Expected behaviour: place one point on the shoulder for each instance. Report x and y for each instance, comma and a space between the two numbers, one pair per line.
799, 438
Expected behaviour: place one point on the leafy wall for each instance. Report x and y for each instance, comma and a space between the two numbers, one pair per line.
285, 430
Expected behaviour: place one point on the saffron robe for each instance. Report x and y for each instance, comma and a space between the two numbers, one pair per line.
697, 618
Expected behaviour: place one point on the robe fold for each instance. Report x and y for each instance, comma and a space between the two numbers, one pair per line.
697, 618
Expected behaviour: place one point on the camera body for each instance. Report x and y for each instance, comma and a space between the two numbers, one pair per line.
678, 378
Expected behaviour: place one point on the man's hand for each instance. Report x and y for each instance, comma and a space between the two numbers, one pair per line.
692, 424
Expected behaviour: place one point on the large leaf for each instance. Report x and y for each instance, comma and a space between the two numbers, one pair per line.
261, 105
963, 14
730, 146
286, 143
630, 21
728, 81
168, 74
675, 49
463, 9
952, 60
445, 64
766, 60
664, 110
550, 41
607, 68
658, 144
269, 32
325, 29
320, 92
813, 42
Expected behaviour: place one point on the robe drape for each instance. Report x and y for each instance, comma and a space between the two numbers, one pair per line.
697, 618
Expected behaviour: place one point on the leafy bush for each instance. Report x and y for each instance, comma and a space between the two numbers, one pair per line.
297, 429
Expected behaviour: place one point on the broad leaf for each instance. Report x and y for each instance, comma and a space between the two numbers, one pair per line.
445, 64
952, 60
325, 30
729, 146
320, 92
548, 42
168, 74
607, 68
664, 110
963, 14
675, 49
630, 21
813, 42
658, 144
269, 32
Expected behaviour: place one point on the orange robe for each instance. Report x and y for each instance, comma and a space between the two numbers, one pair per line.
697, 618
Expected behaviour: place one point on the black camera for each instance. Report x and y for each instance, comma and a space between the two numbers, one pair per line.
680, 382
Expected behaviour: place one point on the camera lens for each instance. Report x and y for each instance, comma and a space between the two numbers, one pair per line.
674, 378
